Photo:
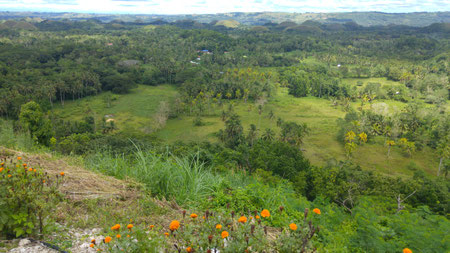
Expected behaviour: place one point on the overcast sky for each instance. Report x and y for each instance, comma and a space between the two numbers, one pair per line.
220, 6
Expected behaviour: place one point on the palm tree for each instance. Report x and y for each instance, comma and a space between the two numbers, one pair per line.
252, 134
268, 135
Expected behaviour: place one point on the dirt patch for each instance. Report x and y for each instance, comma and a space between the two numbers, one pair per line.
78, 183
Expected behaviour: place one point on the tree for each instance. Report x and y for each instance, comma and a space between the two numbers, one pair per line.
33, 120
389, 143
443, 150
234, 132
293, 133
268, 135
252, 134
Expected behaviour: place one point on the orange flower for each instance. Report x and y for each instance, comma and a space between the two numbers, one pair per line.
62, 174
30, 169
118, 236
19, 158
152, 226
92, 245
218, 226
108, 239
115, 227
225, 234
243, 219
193, 216
189, 249
24, 165
316, 210
93, 241
406, 250
265, 213
1, 169
9, 175
130, 226
166, 234
128, 236
257, 217
99, 250
293, 226
174, 225
43, 181
34, 170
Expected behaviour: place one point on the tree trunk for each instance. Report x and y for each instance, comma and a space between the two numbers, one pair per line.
440, 164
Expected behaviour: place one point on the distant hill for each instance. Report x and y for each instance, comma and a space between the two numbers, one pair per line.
418, 19
228, 23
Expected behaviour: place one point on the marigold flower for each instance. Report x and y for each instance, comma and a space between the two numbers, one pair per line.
265, 213
108, 239
316, 210
118, 236
189, 249
115, 227
257, 217
406, 250
242, 219
193, 216
62, 174
1, 169
34, 170
30, 169
24, 165
218, 226
9, 175
92, 245
293, 226
166, 234
130, 226
128, 236
152, 226
43, 181
93, 241
19, 158
174, 225
224, 234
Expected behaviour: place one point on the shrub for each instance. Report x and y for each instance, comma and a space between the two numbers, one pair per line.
27, 195
213, 232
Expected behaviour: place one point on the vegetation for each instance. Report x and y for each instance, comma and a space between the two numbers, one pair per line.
281, 137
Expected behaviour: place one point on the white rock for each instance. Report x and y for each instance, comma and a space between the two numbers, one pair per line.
24, 242
85, 245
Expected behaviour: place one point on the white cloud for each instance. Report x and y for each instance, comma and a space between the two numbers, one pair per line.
214, 6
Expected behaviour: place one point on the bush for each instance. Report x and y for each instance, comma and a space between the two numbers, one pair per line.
214, 232
27, 196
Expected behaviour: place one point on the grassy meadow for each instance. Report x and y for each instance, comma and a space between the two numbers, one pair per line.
131, 112
134, 112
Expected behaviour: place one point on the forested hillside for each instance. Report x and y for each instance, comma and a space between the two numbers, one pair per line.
285, 137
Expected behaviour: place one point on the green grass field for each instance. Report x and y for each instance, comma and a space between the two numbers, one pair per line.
134, 112
321, 144
131, 112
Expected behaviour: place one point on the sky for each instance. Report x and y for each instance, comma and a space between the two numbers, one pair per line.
222, 6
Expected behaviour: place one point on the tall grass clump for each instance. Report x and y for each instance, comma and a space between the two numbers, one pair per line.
183, 179
16, 140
